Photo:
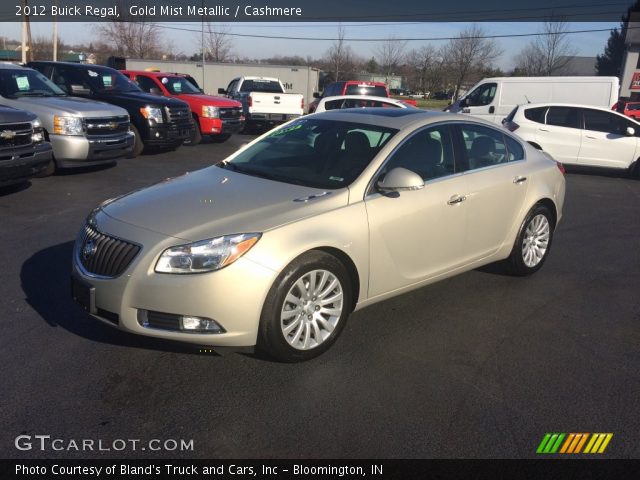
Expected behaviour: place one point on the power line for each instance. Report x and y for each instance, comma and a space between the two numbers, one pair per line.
411, 39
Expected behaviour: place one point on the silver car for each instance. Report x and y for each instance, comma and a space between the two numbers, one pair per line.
276, 245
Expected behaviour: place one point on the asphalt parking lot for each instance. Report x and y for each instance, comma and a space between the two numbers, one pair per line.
481, 365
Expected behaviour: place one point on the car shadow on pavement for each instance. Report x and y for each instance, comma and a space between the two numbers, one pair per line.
14, 188
88, 169
45, 279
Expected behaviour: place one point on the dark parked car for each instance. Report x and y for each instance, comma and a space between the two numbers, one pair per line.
23, 150
156, 121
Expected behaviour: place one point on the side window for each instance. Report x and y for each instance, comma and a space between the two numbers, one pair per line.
232, 87
483, 95
70, 81
484, 146
600, 121
563, 117
146, 83
429, 153
515, 151
535, 114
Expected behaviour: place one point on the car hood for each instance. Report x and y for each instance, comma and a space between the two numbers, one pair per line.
202, 99
143, 97
216, 201
75, 106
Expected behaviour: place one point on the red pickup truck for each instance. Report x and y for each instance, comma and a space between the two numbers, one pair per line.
217, 117
354, 87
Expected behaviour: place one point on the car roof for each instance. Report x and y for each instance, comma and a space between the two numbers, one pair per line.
151, 74
71, 64
10, 66
364, 97
570, 105
397, 118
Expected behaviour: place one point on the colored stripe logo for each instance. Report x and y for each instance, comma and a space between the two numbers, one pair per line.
574, 443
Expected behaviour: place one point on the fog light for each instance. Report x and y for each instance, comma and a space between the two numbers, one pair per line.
199, 324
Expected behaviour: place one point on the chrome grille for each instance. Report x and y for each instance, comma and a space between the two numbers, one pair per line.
15, 134
231, 113
107, 125
179, 115
102, 254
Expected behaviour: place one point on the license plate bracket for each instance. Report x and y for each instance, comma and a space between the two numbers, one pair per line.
84, 295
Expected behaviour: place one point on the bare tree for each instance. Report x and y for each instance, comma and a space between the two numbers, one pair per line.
218, 45
469, 54
42, 47
424, 62
390, 55
138, 39
339, 56
549, 53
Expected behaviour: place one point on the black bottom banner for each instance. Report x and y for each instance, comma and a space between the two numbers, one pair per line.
320, 469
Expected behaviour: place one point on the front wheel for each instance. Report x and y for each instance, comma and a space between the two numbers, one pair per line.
138, 144
196, 136
306, 309
533, 242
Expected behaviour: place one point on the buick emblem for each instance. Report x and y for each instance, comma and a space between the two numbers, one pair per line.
7, 134
89, 250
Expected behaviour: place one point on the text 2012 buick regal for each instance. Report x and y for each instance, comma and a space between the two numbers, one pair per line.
279, 243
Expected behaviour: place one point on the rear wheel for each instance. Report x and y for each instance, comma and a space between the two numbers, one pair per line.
533, 242
306, 309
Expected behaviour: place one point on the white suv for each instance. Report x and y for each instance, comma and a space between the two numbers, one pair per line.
579, 134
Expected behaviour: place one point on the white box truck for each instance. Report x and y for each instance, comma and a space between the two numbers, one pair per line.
493, 98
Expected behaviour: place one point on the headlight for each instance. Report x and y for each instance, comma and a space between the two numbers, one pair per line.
206, 255
38, 133
209, 111
67, 125
152, 113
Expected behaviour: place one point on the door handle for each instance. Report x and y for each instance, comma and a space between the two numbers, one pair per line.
589, 136
455, 199
519, 179
492, 109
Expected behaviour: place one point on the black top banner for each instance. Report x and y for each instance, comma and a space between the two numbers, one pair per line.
314, 11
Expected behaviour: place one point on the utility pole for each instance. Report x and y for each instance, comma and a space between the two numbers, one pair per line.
23, 46
203, 49
55, 37
29, 42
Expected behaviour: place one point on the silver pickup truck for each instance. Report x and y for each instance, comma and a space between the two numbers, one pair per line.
82, 132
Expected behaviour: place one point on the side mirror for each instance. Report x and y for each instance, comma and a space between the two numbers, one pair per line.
630, 132
80, 90
464, 102
222, 91
201, 90
316, 94
400, 179
155, 91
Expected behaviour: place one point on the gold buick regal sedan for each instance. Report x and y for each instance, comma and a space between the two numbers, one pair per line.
276, 245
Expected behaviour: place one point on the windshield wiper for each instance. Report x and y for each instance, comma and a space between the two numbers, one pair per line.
31, 94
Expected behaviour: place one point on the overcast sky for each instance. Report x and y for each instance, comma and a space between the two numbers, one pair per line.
586, 44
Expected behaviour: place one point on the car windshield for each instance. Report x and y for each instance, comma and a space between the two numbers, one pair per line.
27, 83
178, 85
374, 91
313, 152
105, 80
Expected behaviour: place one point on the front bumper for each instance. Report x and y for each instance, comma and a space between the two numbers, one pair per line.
23, 163
81, 151
218, 126
168, 135
233, 296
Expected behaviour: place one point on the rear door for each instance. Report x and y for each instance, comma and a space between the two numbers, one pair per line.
496, 182
561, 134
605, 142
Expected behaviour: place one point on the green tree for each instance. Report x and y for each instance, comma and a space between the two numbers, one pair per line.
610, 62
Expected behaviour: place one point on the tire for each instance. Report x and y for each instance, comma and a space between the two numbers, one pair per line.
296, 337
533, 242
223, 137
196, 138
138, 144
48, 170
